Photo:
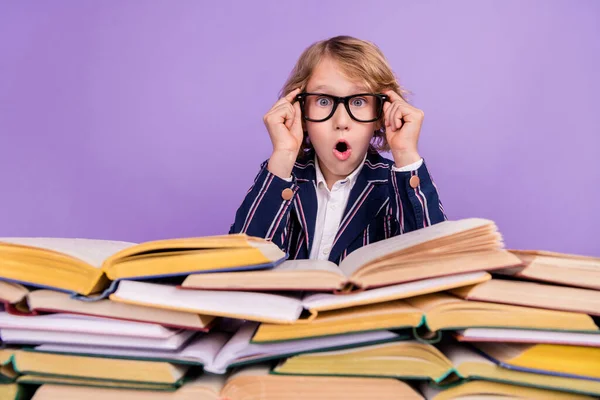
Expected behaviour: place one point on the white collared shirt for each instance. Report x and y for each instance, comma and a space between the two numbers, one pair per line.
330, 209
331, 205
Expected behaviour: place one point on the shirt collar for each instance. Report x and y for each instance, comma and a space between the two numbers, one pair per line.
350, 179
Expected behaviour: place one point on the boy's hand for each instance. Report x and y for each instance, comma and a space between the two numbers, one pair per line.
402, 136
284, 123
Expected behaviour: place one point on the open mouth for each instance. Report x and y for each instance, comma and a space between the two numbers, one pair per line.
342, 150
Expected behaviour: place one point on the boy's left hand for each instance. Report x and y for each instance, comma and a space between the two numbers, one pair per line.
402, 136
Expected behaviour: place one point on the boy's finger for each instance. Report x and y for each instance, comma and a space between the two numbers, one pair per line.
297, 113
288, 115
292, 95
394, 96
396, 117
386, 106
386, 113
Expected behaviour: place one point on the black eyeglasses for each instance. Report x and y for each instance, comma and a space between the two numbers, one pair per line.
363, 107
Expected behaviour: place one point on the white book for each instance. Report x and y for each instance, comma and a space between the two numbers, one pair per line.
528, 336
217, 351
275, 308
85, 324
24, 336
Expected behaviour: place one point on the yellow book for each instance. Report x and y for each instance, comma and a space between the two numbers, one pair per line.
574, 361
7, 372
14, 391
70, 367
249, 383
428, 313
94, 384
86, 266
414, 360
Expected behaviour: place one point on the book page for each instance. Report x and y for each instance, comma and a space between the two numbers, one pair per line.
372, 252
262, 369
92, 251
537, 295
459, 354
206, 348
293, 275
309, 265
12, 292
206, 382
234, 346
204, 387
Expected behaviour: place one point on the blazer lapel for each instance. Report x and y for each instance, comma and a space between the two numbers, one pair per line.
367, 196
305, 203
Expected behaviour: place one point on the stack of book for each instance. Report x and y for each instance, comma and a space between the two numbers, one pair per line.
445, 312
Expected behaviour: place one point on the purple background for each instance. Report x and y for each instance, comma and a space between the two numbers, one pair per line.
138, 120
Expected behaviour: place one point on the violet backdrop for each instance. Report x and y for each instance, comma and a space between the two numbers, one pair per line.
140, 120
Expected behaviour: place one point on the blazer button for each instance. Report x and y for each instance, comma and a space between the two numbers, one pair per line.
287, 194
414, 181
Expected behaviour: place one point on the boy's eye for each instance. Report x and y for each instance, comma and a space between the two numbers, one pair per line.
358, 102
323, 101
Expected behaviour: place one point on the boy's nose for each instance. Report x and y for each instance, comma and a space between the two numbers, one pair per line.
341, 119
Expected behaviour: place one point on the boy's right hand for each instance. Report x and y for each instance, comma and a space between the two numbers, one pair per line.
284, 123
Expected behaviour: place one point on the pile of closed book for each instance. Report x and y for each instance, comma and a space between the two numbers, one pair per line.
445, 312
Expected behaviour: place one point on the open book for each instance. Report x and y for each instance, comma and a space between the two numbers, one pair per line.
218, 351
447, 248
427, 314
414, 360
564, 269
86, 266
276, 308
249, 383
533, 294
13, 297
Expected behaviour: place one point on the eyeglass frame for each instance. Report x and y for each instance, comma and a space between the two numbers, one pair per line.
337, 100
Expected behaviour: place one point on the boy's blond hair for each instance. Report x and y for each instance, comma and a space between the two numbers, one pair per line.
359, 60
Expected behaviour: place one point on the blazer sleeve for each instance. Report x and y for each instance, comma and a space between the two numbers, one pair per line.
265, 211
414, 199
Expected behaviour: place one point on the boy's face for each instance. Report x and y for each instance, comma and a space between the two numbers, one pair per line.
326, 136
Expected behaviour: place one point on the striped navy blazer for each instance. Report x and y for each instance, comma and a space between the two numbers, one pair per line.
382, 203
